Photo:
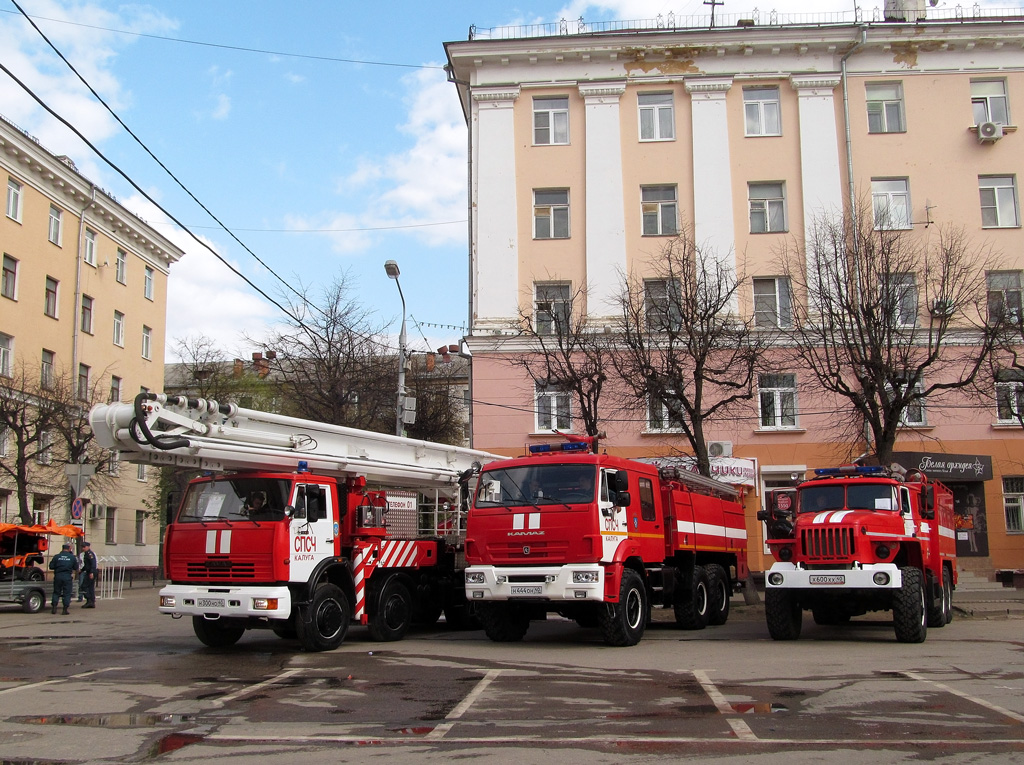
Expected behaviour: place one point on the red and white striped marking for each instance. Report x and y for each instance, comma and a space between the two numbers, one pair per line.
398, 554
520, 520
362, 560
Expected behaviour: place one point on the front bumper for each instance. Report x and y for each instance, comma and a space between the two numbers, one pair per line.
870, 576
220, 602
537, 583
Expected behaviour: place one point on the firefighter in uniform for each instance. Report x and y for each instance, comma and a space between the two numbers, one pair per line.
89, 571
64, 566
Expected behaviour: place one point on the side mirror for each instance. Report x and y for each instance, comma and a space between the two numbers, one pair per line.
620, 481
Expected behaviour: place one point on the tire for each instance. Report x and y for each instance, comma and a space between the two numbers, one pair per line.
937, 603
32, 574
909, 612
719, 594
323, 623
692, 604
393, 615
503, 622
783, 613
623, 623
947, 594
34, 601
215, 634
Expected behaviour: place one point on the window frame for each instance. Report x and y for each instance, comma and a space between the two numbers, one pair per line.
15, 191
780, 313
982, 103
659, 419
1009, 390
44, 455
47, 362
87, 314
920, 406
55, 231
147, 343
883, 219
121, 267
118, 329
110, 525
657, 111
662, 311
557, 118
6, 355
777, 401
665, 211
769, 206
999, 183
557, 211
9, 279
82, 387
552, 408
140, 527
1015, 525
761, 114
904, 298
89, 250
552, 300
881, 106
115, 389
147, 284
51, 298
1004, 298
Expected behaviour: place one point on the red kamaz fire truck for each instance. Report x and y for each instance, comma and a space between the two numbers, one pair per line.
600, 539
856, 539
299, 526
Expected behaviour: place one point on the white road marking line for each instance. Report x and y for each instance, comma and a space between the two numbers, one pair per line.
739, 727
969, 697
440, 730
80, 675
253, 688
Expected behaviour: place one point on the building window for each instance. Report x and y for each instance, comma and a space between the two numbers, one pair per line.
1004, 295
773, 302
6, 355
50, 305
553, 308
552, 405
14, 199
777, 394
55, 219
90, 247
659, 209
118, 328
9, 284
44, 456
551, 214
140, 471
140, 527
657, 117
1010, 396
913, 414
761, 111
121, 266
114, 463
660, 417
900, 296
46, 369
998, 201
3, 453
115, 389
767, 207
989, 102
110, 526
890, 201
87, 314
147, 342
550, 121
83, 382
885, 107
147, 288
662, 303
1013, 503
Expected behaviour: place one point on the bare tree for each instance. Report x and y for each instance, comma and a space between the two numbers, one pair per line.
686, 351
566, 353
440, 411
887, 318
205, 371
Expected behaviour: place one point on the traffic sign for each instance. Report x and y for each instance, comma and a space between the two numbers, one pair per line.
77, 509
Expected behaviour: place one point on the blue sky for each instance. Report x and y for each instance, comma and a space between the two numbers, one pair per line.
319, 166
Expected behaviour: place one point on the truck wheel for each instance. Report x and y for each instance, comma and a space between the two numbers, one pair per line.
692, 603
323, 624
623, 623
937, 603
909, 614
215, 634
719, 594
33, 602
394, 612
783, 613
503, 622
947, 595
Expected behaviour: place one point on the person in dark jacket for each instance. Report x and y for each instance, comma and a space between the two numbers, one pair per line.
64, 566
89, 571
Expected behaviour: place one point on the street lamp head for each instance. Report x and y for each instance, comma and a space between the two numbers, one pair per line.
391, 267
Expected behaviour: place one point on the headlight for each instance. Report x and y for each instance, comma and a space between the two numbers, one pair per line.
882, 551
880, 578
584, 577
167, 601
775, 578
474, 577
785, 553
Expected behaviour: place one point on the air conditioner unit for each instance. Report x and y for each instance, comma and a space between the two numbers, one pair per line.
942, 308
720, 449
989, 132
97, 512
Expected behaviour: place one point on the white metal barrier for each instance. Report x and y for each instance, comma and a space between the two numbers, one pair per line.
111, 576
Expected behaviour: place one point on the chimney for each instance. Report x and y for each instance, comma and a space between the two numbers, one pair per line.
238, 368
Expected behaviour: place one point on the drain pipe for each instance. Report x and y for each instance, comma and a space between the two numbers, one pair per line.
852, 190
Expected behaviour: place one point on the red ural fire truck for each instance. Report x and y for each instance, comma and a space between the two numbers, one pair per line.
600, 539
299, 526
856, 539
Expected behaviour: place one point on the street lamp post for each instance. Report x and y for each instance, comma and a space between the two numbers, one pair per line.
391, 267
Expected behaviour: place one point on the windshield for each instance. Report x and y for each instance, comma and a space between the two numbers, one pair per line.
532, 485
236, 499
857, 496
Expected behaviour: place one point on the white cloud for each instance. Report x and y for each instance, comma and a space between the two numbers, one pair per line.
223, 108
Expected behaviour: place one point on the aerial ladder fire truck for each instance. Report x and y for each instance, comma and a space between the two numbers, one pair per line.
299, 526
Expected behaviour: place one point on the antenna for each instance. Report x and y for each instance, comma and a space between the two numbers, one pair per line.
713, 3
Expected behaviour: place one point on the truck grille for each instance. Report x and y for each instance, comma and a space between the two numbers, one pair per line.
828, 543
219, 570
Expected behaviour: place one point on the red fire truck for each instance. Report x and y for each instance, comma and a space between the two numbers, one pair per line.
299, 526
856, 539
600, 539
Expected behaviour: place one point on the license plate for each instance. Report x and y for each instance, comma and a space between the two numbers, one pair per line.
210, 602
827, 579
531, 589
